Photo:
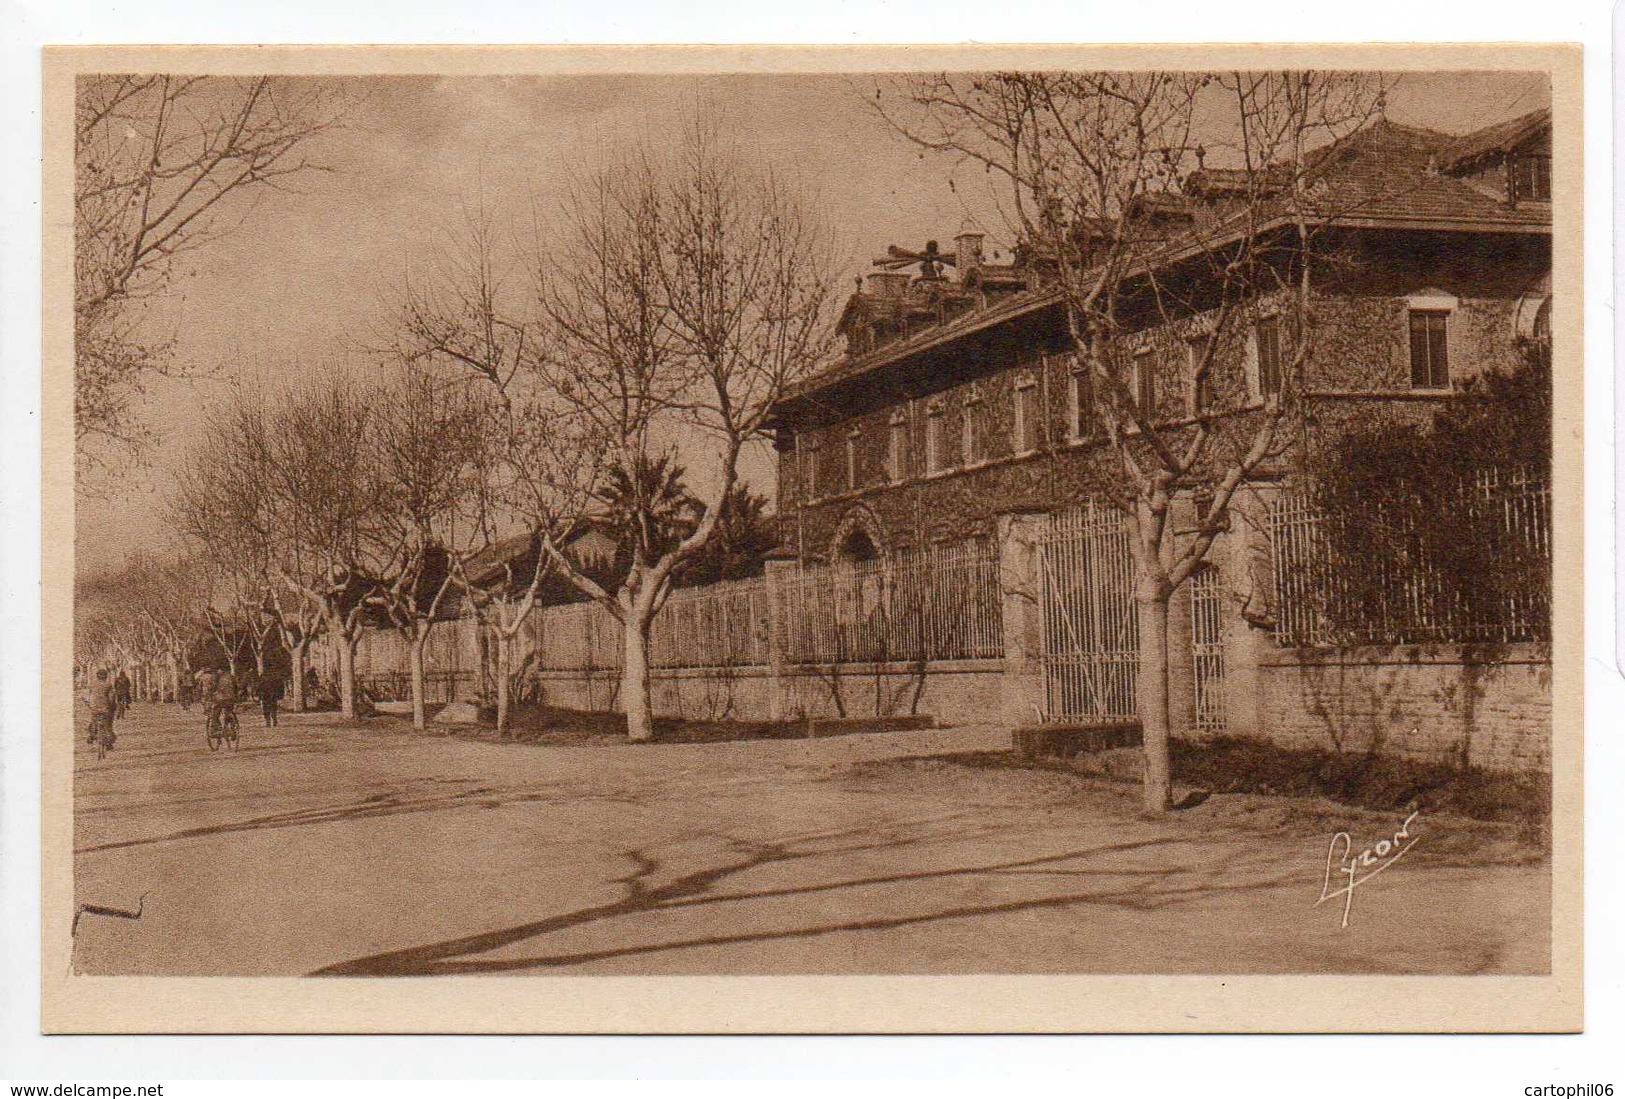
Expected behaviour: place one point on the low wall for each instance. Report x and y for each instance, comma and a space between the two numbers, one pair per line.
1486, 706
959, 692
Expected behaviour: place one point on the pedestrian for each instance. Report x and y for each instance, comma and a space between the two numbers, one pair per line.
121, 694
313, 685
270, 692
100, 698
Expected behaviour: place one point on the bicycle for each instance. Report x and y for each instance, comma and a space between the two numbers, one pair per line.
221, 727
101, 734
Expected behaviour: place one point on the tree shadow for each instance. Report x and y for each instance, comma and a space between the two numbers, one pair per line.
1149, 889
386, 804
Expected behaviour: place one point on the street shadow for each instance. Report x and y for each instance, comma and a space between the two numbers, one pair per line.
1149, 889
384, 804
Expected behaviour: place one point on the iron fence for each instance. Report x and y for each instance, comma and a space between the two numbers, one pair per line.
1091, 638
1207, 648
1470, 567
725, 625
938, 602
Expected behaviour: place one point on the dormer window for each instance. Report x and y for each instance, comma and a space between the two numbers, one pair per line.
1531, 178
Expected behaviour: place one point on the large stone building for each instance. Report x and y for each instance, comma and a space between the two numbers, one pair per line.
951, 405
955, 415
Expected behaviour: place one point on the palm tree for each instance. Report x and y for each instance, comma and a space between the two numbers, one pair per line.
648, 506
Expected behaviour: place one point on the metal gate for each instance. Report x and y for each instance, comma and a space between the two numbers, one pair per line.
1207, 647
1091, 638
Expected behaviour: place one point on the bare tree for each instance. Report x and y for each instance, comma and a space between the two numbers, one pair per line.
461, 315
324, 477
141, 616
1106, 187
431, 496
164, 165
686, 294
225, 509
533, 488
689, 293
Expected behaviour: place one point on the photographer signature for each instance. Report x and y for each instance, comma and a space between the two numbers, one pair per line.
1356, 870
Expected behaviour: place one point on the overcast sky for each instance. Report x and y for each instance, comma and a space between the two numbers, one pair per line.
307, 277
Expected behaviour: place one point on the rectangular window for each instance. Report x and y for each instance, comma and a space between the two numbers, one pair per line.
1024, 416
852, 476
809, 468
936, 424
1201, 373
971, 427
1430, 361
1267, 349
897, 446
1532, 178
1077, 404
1144, 384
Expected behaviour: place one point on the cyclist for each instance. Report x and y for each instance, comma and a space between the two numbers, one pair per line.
225, 698
205, 681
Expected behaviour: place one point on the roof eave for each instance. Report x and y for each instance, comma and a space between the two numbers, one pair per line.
1042, 299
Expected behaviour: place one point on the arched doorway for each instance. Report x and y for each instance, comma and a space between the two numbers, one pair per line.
858, 539
857, 546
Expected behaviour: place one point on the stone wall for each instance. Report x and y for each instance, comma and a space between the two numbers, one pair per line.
1479, 706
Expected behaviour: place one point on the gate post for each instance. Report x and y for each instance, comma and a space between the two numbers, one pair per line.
1021, 686
1247, 574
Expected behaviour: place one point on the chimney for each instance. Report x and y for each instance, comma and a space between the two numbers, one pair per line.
967, 252
886, 284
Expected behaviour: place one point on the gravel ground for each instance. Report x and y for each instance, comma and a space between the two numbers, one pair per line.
360, 850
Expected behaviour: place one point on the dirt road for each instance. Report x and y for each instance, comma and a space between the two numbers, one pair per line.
321, 848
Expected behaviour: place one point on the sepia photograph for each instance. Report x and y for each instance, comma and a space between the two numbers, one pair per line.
1003, 519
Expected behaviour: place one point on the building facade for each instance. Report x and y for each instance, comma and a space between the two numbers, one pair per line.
956, 415
954, 402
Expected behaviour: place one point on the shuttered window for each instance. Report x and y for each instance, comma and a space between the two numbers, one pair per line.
1430, 360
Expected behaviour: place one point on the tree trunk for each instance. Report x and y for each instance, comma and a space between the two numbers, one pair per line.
420, 637
296, 669
635, 678
346, 647
504, 670
1151, 602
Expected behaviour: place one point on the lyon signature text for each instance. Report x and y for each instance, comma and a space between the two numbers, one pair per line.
1354, 870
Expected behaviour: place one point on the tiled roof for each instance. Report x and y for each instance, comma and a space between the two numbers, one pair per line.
1385, 174
1392, 172
1500, 138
